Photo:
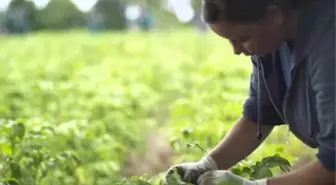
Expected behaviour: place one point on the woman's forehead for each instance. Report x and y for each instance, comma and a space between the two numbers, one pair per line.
233, 30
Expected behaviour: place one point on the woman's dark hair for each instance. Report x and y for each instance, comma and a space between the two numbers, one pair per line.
242, 10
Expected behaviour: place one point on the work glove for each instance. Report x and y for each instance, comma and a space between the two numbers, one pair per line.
223, 177
191, 171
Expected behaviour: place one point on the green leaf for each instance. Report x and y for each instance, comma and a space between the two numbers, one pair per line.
16, 170
277, 161
7, 128
196, 145
10, 181
262, 172
43, 170
186, 132
18, 131
6, 149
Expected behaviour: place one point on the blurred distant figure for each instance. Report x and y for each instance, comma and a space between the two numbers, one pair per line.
3, 29
199, 24
132, 13
144, 21
95, 22
138, 18
17, 20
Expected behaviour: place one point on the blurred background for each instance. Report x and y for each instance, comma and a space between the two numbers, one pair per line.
97, 91
25, 16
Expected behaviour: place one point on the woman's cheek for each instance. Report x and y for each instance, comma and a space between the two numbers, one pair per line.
250, 47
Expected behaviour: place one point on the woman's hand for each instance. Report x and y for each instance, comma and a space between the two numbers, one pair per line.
190, 172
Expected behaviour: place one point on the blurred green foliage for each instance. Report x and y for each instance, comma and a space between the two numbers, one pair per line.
74, 105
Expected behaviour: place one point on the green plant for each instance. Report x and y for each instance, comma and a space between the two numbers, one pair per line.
262, 169
250, 170
25, 157
259, 170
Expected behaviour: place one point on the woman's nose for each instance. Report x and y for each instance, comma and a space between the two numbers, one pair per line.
237, 50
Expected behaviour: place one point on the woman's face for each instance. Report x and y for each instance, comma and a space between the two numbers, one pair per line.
252, 38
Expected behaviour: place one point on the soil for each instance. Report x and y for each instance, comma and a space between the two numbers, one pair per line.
155, 160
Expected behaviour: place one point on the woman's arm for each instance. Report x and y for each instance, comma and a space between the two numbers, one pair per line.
312, 174
238, 143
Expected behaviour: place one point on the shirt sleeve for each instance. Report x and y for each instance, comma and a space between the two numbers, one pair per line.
268, 114
323, 84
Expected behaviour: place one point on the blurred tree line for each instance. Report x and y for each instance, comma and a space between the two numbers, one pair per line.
23, 16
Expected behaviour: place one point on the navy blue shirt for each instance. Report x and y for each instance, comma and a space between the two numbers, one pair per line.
309, 106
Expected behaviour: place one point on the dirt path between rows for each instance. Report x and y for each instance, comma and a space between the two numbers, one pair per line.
155, 160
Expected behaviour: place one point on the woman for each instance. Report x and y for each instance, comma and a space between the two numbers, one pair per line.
292, 47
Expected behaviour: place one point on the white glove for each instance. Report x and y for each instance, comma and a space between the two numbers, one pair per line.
190, 172
223, 177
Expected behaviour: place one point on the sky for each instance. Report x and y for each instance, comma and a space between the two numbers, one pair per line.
181, 8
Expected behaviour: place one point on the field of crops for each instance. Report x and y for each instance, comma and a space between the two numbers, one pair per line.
85, 109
